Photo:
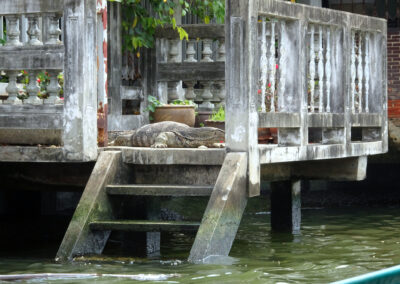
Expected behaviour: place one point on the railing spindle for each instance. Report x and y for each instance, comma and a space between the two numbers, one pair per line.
33, 30
13, 31
353, 71
207, 51
189, 94
312, 69
328, 70
207, 95
367, 72
360, 73
54, 32
53, 89
33, 89
282, 64
221, 51
321, 71
12, 89
264, 65
272, 64
190, 51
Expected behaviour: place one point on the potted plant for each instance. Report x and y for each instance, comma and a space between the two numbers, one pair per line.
217, 119
182, 111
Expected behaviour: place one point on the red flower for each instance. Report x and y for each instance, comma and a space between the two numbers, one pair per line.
222, 141
259, 92
38, 80
276, 66
269, 85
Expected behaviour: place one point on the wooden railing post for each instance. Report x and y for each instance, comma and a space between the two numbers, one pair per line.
80, 110
241, 85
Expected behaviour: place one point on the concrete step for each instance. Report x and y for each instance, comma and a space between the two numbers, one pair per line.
144, 225
160, 190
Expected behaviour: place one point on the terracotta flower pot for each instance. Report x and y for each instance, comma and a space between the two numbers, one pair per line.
216, 124
177, 113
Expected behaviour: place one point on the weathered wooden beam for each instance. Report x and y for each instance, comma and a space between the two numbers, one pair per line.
80, 80
325, 120
287, 10
367, 120
286, 206
94, 205
279, 119
191, 71
160, 190
31, 6
198, 31
224, 211
143, 226
171, 156
32, 57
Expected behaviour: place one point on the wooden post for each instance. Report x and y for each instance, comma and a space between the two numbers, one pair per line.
223, 213
241, 85
286, 206
80, 99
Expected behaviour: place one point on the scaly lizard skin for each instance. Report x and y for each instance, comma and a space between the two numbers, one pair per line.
169, 134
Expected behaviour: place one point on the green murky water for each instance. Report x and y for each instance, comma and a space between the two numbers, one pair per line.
333, 245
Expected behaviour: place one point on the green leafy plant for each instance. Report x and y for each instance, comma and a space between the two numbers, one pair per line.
154, 103
139, 25
218, 115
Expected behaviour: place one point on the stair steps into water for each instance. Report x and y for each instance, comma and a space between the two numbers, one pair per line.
144, 225
98, 212
160, 190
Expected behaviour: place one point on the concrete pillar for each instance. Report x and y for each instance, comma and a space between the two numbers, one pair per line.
317, 3
286, 206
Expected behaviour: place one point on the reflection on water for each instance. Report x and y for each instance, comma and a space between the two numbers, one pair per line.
333, 245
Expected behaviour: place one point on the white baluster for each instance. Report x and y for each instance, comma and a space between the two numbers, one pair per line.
367, 72
207, 51
312, 69
360, 73
53, 89
263, 65
12, 89
173, 51
207, 95
191, 51
282, 65
13, 31
189, 94
353, 71
33, 89
221, 51
328, 70
33, 30
272, 66
54, 32
173, 91
321, 72
221, 93
23, 27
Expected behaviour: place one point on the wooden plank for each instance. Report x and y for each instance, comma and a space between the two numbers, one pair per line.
47, 57
32, 120
94, 205
31, 6
144, 226
189, 71
287, 10
366, 120
279, 119
160, 190
171, 156
198, 31
224, 211
326, 120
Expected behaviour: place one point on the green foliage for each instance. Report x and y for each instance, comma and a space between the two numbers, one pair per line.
182, 103
153, 103
2, 41
218, 115
139, 26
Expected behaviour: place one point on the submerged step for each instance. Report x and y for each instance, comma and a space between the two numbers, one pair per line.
160, 190
144, 226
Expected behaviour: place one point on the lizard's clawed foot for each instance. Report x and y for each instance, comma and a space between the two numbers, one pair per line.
159, 145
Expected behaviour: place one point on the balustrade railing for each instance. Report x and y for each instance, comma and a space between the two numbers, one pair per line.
193, 69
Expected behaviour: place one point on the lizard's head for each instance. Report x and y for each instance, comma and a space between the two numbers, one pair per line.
215, 134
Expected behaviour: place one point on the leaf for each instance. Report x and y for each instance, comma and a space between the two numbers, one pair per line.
135, 22
183, 34
207, 20
173, 23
